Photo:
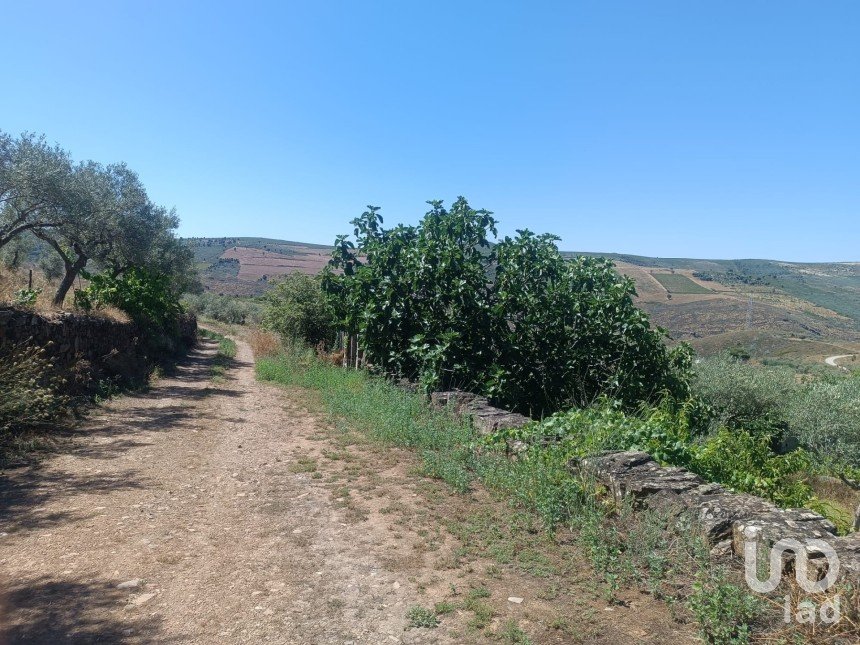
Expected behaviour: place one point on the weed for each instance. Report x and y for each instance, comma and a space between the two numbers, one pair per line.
421, 617
722, 610
512, 634
303, 465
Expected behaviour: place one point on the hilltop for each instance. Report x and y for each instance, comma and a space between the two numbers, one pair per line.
769, 308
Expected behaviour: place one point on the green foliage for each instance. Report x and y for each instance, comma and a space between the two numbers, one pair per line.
31, 389
438, 304
26, 297
623, 546
820, 413
745, 462
722, 610
297, 309
742, 460
227, 309
421, 617
145, 296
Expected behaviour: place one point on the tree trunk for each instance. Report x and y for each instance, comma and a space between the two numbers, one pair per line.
72, 270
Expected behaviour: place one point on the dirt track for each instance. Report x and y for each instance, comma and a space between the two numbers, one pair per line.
204, 512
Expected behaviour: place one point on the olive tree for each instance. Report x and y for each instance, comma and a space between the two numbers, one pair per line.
34, 181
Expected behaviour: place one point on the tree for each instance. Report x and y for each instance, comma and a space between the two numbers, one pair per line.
111, 221
33, 183
417, 296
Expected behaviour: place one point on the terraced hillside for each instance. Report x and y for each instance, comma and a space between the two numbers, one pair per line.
769, 308
244, 265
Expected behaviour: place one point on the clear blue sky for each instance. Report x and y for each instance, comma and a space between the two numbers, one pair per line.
685, 128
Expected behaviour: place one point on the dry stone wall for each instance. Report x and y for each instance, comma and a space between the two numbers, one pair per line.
727, 519
103, 346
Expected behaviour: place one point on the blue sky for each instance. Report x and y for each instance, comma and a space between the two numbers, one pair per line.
685, 128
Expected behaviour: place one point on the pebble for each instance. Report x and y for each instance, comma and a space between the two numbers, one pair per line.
129, 584
515, 600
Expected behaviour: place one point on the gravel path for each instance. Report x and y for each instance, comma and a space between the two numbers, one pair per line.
203, 512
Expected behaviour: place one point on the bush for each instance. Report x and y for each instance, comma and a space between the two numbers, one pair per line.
743, 394
145, 296
226, 309
297, 309
31, 389
825, 417
737, 458
820, 413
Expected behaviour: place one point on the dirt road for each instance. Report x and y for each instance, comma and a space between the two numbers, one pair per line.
204, 512
832, 360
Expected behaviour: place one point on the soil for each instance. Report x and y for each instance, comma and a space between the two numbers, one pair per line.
233, 511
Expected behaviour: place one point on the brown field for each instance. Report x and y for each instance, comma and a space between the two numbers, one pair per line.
256, 263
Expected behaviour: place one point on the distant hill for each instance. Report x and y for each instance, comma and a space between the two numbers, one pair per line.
770, 308
243, 266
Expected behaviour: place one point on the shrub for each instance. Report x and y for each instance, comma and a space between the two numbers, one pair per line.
297, 309
722, 609
31, 388
227, 309
739, 459
741, 393
825, 417
26, 297
145, 296
819, 413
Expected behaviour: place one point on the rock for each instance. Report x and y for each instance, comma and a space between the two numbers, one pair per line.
129, 584
726, 519
515, 599
143, 599
486, 418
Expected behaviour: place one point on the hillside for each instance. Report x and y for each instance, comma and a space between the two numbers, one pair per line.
772, 309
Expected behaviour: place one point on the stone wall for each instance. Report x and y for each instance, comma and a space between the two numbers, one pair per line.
486, 418
102, 346
727, 519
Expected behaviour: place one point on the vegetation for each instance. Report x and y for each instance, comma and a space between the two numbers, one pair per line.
298, 309
148, 298
642, 549
83, 214
231, 310
678, 283
31, 389
438, 304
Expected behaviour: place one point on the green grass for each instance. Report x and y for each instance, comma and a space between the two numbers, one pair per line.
385, 413
224, 355
640, 550
679, 284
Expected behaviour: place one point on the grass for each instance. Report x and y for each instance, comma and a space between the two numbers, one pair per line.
383, 412
679, 284
659, 555
224, 355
